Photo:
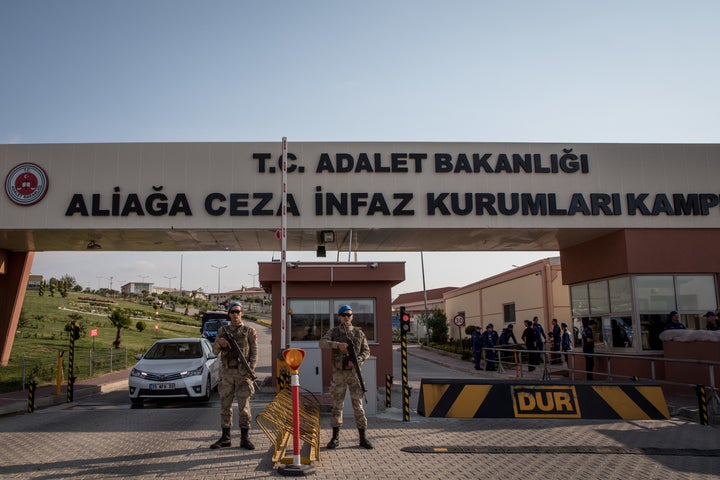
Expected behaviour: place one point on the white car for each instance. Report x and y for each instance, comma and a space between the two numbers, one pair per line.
175, 368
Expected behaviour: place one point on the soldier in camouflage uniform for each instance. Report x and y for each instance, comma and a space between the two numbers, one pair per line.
344, 376
235, 380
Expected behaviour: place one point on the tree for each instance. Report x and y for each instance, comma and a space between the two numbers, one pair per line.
63, 288
140, 325
438, 327
69, 280
43, 286
119, 321
185, 301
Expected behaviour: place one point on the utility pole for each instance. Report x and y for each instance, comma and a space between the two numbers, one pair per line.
218, 269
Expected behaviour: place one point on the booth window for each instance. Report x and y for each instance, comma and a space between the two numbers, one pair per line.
310, 319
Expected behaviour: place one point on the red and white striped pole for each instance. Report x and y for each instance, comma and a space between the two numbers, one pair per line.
294, 357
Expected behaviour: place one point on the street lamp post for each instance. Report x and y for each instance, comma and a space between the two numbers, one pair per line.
170, 280
218, 269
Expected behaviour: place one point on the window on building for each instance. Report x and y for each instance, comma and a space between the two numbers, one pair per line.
509, 313
610, 303
363, 315
599, 297
309, 320
695, 293
620, 294
580, 300
312, 318
617, 332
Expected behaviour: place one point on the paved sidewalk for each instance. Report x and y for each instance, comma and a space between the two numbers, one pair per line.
119, 442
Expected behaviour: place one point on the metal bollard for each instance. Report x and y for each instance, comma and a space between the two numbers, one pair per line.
32, 385
388, 390
702, 404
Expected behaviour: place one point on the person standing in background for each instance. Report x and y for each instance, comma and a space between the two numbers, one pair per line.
489, 341
554, 335
588, 346
711, 319
476, 345
566, 342
529, 337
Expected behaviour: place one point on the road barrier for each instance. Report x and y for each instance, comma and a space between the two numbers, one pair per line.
469, 398
276, 420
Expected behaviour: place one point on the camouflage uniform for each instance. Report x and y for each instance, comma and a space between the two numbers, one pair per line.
235, 380
343, 376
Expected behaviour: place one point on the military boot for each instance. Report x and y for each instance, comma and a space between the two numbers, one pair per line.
364, 442
244, 440
335, 440
224, 439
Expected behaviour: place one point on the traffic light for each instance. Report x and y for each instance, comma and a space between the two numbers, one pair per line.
404, 320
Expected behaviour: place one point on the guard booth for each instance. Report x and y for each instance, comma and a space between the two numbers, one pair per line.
315, 291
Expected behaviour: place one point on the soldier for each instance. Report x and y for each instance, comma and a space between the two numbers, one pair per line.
235, 381
344, 376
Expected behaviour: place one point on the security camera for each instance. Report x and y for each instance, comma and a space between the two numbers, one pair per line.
374, 265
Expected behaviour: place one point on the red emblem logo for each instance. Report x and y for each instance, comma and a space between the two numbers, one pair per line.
26, 184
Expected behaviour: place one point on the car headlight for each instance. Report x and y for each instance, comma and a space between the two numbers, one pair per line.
192, 373
137, 373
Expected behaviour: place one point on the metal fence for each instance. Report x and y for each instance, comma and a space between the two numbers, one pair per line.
569, 363
87, 364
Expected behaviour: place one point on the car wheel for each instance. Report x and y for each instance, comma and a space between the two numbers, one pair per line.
208, 390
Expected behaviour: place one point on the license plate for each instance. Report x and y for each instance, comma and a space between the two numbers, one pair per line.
162, 386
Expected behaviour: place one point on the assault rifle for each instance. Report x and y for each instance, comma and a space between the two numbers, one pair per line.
352, 357
237, 353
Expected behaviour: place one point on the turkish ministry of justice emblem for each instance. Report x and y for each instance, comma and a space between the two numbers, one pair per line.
26, 184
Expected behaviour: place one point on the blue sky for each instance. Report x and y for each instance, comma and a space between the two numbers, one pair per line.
469, 71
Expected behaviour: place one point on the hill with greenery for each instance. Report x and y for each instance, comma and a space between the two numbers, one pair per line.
44, 331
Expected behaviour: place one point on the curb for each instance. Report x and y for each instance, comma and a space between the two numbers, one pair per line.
20, 406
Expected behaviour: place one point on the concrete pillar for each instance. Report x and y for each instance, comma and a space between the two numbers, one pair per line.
14, 274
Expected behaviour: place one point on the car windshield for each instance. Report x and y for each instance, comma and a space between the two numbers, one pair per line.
174, 350
213, 325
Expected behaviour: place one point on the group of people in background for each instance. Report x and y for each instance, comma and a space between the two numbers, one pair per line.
560, 337
534, 338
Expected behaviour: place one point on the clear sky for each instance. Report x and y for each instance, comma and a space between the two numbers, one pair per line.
643, 71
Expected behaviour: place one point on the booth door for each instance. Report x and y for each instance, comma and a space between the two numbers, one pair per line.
310, 372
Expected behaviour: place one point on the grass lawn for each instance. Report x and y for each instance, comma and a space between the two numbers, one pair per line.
41, 336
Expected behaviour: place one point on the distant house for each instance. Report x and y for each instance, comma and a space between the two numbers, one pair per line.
34, 282
416, 303
136, 288
243, 295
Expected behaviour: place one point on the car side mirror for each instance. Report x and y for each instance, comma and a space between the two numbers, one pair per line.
211, 355
138, 356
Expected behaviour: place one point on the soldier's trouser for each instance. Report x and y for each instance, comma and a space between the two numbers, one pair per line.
234, 386
343, 380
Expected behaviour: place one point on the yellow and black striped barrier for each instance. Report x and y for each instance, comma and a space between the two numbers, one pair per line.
469, 398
